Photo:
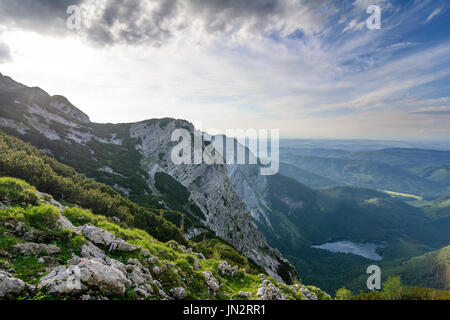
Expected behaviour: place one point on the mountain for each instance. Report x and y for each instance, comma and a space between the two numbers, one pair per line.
436, 173
135, 160
430, 270
405, 157
406, 170
305, 177
439, 208
367, 174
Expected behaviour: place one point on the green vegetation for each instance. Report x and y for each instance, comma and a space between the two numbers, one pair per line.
171, 188
21, 160
16, 191
43, 217
430, 270
343, 294
393, 290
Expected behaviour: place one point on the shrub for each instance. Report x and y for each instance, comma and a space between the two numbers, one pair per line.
43, 217
77, 215
392, 288
16, 191
343, 294
183, 265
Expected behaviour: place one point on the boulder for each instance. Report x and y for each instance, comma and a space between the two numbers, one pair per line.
226, 270
10, 287
65, 223
145, 253
308, 294
268, 291
156, 270
90, 250
178, 293
200, 255
104, 238
196, 264
31, 248
93, 273
211, 283
246, 295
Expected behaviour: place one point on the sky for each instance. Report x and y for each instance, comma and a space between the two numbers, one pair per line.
310, 68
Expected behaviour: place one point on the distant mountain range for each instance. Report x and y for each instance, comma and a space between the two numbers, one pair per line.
408, 171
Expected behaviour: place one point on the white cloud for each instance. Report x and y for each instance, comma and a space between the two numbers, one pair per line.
433, 14
237, 78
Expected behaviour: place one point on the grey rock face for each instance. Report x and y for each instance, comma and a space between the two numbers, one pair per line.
31, 248
212, 284
65, 223
10, 287
89, 250
105, 238
88, 273
210, 190
226, 270
268, 291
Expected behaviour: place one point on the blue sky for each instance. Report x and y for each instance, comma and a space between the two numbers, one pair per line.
309, 68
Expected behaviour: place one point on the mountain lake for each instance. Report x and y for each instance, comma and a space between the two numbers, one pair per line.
366, 250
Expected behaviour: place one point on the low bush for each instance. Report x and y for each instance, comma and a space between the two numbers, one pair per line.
15, 191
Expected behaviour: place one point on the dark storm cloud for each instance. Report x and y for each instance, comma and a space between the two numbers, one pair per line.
133, 22
156, 21
46, 16
151, 21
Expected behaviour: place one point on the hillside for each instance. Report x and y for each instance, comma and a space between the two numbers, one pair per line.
305, 177
52, 251
439, 208
430, 270
367, 174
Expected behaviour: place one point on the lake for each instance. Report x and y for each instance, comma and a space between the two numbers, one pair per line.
366, 250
